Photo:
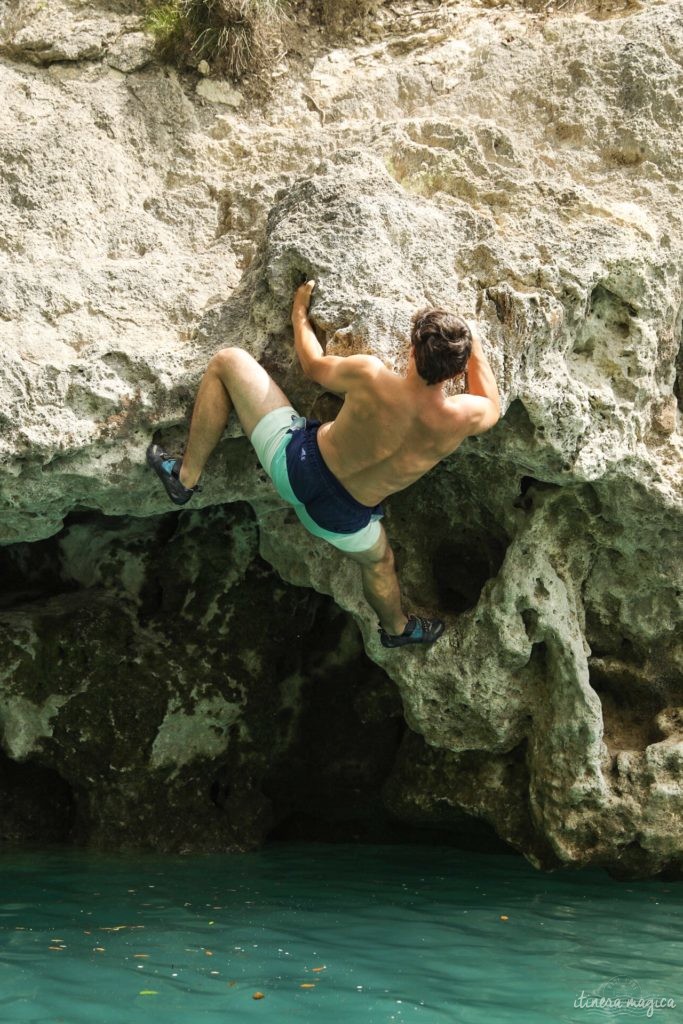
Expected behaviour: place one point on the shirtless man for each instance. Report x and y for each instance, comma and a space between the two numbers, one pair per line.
390, 431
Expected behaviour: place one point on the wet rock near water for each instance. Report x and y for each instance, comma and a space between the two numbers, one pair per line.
519, 165
163, 688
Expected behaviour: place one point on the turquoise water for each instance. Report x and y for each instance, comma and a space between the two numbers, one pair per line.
382, 934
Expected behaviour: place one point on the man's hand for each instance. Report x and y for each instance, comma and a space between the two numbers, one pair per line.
334, 373
474, 331
302, 298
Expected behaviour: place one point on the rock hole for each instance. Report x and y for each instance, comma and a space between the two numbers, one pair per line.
629, 706
517, 424
36, 803
601, 338
609, 306
30, 572
462, 567
527, 486
530, 620
678, 382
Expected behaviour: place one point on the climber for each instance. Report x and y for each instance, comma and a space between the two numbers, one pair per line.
389, 432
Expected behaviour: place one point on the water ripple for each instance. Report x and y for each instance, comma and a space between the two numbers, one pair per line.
379, 934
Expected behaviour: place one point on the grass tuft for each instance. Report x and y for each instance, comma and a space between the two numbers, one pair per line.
234, 36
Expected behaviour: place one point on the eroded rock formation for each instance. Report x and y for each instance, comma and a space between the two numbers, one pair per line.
521, 167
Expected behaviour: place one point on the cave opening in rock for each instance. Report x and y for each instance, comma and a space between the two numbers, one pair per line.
192, 698
461, 568
453, 525
36, 804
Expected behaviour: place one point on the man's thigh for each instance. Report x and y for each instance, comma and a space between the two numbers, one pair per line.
374, 554
252, 390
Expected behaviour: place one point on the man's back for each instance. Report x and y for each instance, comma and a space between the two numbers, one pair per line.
390, 431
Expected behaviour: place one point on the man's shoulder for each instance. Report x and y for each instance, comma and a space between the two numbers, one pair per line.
341, 374
363, 368
365, 361
473, 414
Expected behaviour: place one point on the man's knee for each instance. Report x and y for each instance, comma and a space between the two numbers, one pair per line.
379, 559
387, 562
225, 359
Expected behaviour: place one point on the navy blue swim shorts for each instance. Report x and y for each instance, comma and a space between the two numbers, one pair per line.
287, 447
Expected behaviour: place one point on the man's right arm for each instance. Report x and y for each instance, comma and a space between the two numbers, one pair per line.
334, 373
483, 407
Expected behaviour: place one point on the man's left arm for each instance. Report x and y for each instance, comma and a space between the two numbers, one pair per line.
334, 373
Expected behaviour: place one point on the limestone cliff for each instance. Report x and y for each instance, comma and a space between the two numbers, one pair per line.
520, 165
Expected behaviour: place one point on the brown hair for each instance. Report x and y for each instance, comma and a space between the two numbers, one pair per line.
442, 343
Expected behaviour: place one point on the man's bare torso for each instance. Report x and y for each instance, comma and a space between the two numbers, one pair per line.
389, 433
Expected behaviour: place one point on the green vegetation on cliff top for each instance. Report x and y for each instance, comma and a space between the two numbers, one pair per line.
236, 37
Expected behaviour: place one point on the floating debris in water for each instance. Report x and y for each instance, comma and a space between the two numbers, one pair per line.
258, 995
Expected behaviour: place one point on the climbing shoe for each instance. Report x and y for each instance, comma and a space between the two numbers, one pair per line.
417, 631
167, 469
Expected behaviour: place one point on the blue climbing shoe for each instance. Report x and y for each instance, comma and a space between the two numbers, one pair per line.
417, 631
167, 469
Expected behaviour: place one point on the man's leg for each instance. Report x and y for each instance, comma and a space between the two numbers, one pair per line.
380, 584
232, 378
383, 594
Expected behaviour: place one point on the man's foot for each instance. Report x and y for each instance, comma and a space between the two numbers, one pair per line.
167, 469
417, 631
